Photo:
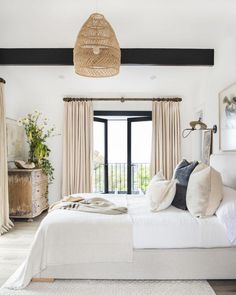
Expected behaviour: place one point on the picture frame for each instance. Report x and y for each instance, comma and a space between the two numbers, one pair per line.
16, 141
207, 146
227, 119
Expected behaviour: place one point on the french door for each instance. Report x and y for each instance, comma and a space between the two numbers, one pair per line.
100, 175
138, 171
129, 137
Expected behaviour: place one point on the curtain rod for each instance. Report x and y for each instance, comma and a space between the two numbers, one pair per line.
122, 99
2, 80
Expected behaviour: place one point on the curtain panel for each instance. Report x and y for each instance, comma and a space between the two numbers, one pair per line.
77, 147
166, 138
5, 222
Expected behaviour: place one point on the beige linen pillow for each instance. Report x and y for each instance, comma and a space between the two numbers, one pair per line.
205, 191
161, 192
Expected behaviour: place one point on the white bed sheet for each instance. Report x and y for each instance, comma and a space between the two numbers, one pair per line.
226, 213
70, 237
173, 228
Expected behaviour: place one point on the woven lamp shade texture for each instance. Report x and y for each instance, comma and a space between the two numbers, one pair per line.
97, 51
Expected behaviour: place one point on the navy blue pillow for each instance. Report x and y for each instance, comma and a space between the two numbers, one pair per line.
182, 174
180, 197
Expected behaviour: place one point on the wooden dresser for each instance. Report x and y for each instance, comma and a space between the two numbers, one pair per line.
28, 192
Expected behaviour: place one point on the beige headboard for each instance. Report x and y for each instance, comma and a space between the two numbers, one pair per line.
225, 163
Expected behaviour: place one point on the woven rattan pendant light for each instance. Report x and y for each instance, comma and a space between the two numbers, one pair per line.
97, 51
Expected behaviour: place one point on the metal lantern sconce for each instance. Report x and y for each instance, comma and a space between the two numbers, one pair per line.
197, 125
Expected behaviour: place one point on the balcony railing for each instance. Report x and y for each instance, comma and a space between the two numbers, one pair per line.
117, 177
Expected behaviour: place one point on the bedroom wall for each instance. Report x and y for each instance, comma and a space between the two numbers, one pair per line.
160, 24
214, 81
42, 88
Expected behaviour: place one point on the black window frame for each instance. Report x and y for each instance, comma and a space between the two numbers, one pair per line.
129, 149
105, 122
138, 116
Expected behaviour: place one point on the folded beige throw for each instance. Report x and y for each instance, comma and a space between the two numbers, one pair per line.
92, 205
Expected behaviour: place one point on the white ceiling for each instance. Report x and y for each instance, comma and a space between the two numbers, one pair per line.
150, 23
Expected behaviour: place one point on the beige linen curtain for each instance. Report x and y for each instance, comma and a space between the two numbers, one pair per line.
77, 147
5, 222
165, 137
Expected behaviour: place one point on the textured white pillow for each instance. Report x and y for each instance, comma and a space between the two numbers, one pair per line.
161, 192
205, 191
158, 177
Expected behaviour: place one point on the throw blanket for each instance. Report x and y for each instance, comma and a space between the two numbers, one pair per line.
92, 205
66, 237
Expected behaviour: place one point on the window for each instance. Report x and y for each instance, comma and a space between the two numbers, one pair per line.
122, 151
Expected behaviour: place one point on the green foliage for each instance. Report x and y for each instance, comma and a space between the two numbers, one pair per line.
37, 134
143, 177
117, 177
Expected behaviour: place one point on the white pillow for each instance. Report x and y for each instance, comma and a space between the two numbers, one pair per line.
161, 192
205, 191
158, 177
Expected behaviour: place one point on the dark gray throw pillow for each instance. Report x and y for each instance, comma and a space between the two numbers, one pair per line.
182, 174
180, 197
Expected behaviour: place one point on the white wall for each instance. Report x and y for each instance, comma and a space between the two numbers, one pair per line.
42, 88
214, 81
156, 23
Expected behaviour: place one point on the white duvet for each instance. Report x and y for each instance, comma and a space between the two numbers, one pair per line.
70, 237
226, 213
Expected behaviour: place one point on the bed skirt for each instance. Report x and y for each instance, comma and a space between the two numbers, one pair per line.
159, 264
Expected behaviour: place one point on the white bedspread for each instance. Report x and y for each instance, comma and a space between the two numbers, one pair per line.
226, 213
71, 237
173, 228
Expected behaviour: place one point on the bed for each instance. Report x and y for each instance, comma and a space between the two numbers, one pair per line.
170, 244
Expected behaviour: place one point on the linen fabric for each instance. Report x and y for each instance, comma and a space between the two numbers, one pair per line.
173, 228
226, 213
69, 237
166, 143
5, 222
77, 147
179, 200
205, 191
182, 173
160, 192
92, 205
106, 238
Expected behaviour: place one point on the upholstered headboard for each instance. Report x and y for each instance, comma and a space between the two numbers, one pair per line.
225, 163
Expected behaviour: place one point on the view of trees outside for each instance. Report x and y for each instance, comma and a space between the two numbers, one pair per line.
117, 176
117, 156
140, 177
98, 172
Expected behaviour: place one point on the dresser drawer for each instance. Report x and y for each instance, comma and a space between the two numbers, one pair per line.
38, 177
40, 190
39, 205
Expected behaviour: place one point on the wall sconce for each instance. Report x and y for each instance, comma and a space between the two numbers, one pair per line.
197, 125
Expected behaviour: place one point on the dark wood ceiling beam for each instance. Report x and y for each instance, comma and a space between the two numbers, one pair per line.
129, 56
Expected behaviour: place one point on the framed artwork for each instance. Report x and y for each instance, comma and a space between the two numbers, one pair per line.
16, 142
227, 110
207, 146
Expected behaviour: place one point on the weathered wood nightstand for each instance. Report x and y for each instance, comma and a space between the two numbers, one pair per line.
28, 192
